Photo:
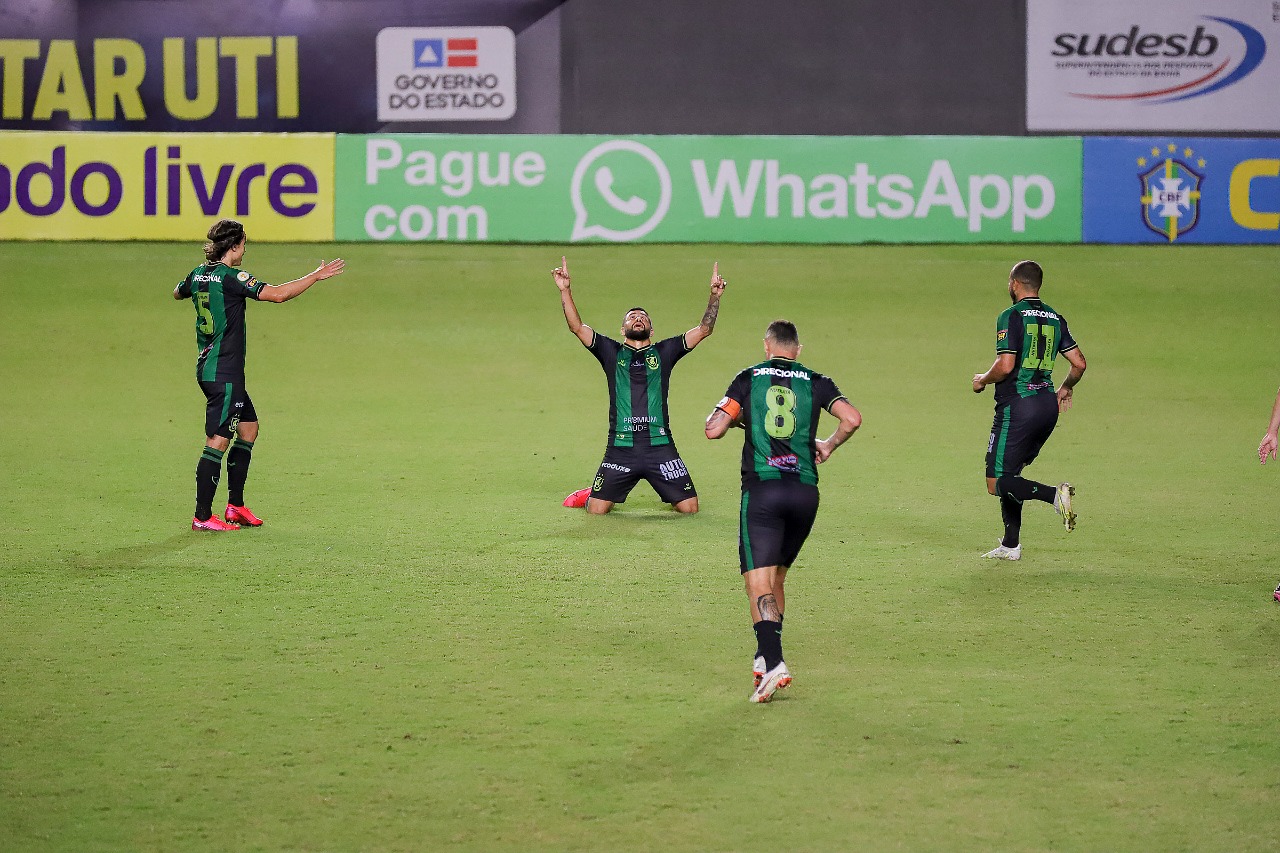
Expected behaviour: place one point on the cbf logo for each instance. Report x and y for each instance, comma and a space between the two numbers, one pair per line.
1171, 190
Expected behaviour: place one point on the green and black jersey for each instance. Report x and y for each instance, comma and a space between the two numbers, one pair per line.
638, 382
218, 293
779, 401
1035, 334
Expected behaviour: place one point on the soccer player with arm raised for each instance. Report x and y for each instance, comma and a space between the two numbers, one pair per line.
219, 291
638, 372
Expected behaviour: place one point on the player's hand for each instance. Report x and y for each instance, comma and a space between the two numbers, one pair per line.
822, 451
329, 269
978, 384
1267, 448
561, 274
1064, 399
717, 283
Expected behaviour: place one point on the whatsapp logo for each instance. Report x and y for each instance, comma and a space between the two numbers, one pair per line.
621, 191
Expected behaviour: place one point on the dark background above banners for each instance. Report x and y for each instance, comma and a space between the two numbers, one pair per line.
335, 69
817, 67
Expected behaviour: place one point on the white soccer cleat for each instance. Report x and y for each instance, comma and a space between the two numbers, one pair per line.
1062, 505
1000, 552
757, 669
775, 679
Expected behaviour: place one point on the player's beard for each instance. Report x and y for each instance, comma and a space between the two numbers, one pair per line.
634, 334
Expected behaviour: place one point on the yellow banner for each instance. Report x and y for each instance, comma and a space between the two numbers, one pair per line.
152, 186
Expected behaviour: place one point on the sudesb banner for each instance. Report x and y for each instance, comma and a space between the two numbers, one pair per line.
140, 186
1142, 66
681, 189
1177, 189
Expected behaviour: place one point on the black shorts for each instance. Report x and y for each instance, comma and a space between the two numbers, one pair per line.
1020, 429
623, 467
227, 404
774, 521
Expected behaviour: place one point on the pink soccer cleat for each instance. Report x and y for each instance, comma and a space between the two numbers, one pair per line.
212, 523
578, 499
242, 515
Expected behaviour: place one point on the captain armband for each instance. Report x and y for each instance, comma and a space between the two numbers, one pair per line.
730, 407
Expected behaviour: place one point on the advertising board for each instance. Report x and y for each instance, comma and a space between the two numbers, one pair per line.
784, 189
1181, 190
140, 186
1132, 65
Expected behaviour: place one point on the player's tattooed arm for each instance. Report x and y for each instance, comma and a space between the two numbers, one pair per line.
717, 424
768, 607
723, 416
712, 312
695, 336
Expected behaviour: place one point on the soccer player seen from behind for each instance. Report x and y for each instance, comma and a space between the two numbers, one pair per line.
639, 373
778, 403
1029, 337
219, 291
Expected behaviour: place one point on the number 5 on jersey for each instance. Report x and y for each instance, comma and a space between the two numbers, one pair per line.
204, 314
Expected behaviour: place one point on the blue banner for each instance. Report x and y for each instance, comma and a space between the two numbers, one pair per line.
1150, 189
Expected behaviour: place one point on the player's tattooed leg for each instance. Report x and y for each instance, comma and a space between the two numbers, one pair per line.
768, 607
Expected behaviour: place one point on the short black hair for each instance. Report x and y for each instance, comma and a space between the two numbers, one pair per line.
783, 333
1028, 273
224, 234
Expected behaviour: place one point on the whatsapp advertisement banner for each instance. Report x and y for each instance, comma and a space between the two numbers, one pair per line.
688, 189
145, 186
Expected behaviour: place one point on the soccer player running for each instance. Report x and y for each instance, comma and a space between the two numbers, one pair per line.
218, 291
1029, 337
778, 403
1268, 449
639, 374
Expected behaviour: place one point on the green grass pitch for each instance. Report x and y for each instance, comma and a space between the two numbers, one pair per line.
422, 650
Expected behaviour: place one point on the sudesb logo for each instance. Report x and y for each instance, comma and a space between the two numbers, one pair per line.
1205, 44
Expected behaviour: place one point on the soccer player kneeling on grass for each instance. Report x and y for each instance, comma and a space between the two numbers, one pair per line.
219, 291
778, 403
638, 372
1029, 338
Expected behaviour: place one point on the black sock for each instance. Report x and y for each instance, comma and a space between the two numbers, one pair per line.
1024, 490
759, 653
769, 641
238, 458
1011, 512
208, 470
